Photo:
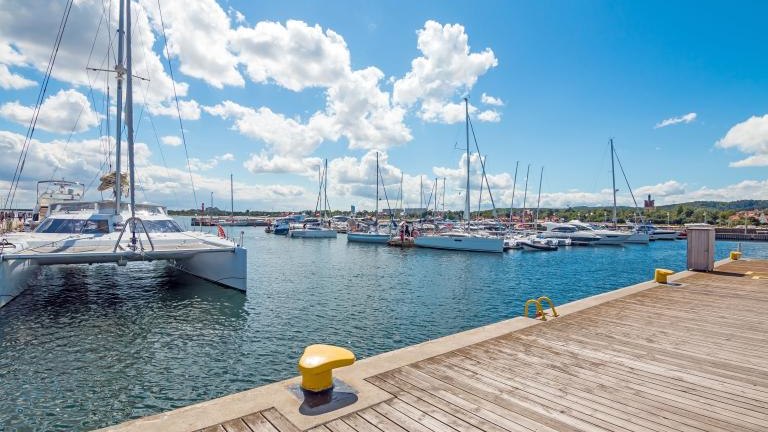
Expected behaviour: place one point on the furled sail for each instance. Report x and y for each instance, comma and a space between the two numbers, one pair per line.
108, 182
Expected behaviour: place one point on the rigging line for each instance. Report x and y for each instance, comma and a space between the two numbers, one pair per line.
176, 98
637, 208
482, 164
33, 121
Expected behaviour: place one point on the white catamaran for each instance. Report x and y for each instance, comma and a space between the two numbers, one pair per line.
462, 240
79, 232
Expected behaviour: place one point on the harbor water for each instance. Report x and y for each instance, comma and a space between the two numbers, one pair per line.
90, 346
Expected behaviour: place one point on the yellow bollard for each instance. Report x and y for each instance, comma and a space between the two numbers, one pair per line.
318, 362
661, 275
735, 255
542, 299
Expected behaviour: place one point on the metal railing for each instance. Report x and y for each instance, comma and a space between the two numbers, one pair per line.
133, 230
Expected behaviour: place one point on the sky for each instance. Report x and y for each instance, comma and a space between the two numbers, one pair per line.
268, 90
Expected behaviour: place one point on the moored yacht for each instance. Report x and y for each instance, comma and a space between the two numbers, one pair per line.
77, 232
462, 240
607, 237
567, 231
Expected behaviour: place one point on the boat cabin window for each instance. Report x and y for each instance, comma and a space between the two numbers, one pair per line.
158, 226
564, 229
74, 226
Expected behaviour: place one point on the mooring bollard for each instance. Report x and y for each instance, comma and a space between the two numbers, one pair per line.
660, 275
317, 364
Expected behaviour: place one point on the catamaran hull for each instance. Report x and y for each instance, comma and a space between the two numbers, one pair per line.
368, 238
14, 278
469, 244
222, 268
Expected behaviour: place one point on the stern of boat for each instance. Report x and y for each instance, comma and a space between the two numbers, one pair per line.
226, 268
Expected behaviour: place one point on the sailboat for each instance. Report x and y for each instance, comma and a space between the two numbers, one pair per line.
372, 235
82, 232
462, 240
638, 234
320, 228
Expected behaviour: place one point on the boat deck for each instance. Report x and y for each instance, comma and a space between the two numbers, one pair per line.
689, 356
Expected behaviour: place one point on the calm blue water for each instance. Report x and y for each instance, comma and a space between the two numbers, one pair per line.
90, 346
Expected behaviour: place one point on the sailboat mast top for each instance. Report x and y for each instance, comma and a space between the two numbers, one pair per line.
119, 72
514, 185
538, 202
613, 179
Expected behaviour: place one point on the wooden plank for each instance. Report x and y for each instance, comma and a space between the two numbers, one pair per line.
258, 423
399, 418
359, 424
236, 425
278, 421
380, 421
216, 428
339, 426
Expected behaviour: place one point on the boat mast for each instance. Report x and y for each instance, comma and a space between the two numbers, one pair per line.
514, 185
434, 216
232, 198
421, 194
129, 123
376, 215
525, 195
466, 126
613, 178
402, 204
538, 202
119, 72
325, 191
443, 200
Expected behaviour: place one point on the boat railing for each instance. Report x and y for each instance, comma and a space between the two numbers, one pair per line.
132, 221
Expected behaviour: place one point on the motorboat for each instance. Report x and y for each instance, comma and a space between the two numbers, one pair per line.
312, 231
50, 191
534, 244
368, 237
656, 233
607, 237
566, 231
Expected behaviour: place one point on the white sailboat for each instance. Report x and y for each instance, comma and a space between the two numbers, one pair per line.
372, 235
462, 240
78, 232
638, 236
321, 228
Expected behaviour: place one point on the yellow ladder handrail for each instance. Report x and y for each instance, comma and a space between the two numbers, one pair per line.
551, 304
539, 310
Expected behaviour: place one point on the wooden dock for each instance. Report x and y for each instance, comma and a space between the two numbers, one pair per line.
689, 356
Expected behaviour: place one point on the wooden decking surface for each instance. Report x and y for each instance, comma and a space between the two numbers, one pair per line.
672, 358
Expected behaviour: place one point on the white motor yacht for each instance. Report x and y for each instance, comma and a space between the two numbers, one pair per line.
607, 237
566, 231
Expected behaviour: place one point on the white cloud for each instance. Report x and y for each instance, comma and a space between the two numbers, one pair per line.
490, 100
294, 56
189, 109
489, 116
262, 163
751, 137
196, 164
12, 81
32, 24
282, 135
198, 35
58, 113
688, 118
445, 69
171, 140
665, 189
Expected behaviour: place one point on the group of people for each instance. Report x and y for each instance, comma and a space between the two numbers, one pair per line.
12, 221
405, 231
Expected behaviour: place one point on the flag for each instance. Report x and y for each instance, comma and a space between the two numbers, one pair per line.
221, 232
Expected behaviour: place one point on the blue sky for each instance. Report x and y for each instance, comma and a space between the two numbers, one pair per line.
570, 75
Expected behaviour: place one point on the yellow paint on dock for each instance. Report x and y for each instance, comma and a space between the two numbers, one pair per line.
692, 356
